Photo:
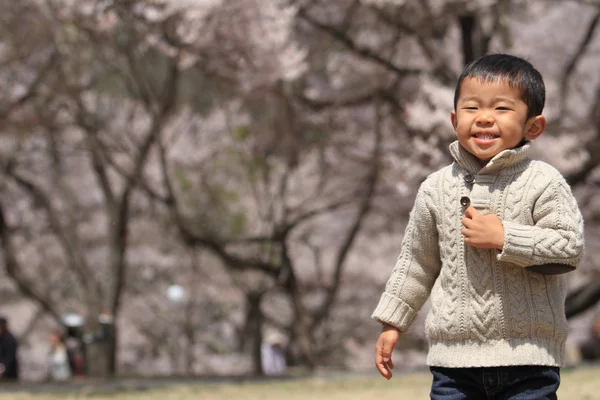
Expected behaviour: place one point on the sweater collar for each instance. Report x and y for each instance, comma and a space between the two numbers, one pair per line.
507, 161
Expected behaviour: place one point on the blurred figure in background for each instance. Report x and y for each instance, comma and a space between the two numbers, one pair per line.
9, 365
60, 369
76, 351
590, 349
272, 355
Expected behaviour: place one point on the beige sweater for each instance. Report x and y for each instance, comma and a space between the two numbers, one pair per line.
486, 308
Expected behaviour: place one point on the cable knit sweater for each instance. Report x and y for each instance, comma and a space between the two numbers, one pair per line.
487, 308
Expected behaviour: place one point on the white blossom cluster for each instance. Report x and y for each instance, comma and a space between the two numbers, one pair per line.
273, 52
439, 4
253, 39
192, 10
381, 3
432, 106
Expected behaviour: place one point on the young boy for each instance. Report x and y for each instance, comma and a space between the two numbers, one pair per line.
488, 239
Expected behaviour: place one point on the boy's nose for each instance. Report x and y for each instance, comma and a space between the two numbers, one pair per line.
484, 118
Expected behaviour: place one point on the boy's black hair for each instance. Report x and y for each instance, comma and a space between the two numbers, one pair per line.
519, 74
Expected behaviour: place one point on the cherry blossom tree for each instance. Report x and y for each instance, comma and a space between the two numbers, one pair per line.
261, 154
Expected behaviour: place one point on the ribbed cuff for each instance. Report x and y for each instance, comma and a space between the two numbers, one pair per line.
391, 310
518, 244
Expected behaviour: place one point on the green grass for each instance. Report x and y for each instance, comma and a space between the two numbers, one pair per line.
579, 384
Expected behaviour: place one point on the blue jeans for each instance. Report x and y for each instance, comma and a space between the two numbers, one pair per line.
498, 383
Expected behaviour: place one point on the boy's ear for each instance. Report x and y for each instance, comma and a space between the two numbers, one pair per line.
535, 127
453, 119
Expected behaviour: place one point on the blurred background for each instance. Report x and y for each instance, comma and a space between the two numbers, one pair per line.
195, 187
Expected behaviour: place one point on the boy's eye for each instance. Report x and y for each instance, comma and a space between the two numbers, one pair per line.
502, 108
470, 108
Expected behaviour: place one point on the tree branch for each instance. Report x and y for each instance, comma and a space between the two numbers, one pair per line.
341, 101
354, 47
67, 237
121, 218
572, 65
94, 147
13, 269
31, 90
582, 298
363, 209
592, 146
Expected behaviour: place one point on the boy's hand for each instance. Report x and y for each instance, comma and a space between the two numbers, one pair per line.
482, 231
384, 348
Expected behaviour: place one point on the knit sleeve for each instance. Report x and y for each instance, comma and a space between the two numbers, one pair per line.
416, 269
555, 237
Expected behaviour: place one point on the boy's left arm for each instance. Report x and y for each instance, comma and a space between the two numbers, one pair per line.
556, 238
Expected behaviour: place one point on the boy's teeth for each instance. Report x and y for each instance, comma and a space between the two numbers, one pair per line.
485, 136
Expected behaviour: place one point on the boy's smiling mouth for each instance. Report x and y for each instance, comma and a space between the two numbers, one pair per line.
485, 137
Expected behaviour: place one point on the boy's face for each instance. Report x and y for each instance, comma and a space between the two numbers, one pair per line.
491, 117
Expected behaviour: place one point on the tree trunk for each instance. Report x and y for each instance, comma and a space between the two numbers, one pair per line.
304, 340
111, 347
101, 352
252, 332
467, 24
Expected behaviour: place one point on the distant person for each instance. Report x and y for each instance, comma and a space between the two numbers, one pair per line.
590, 349
60, 368
272, 355
488, 241
76, 351
9, 363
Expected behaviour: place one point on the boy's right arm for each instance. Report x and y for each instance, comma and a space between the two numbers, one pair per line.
412, 278
416, 268
384, 349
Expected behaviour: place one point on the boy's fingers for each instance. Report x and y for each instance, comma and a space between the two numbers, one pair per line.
383, 370
384, 348
466, 222
390, 363
383, 359
471, 212
386, 351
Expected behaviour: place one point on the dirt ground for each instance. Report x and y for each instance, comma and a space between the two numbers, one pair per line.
577, 384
